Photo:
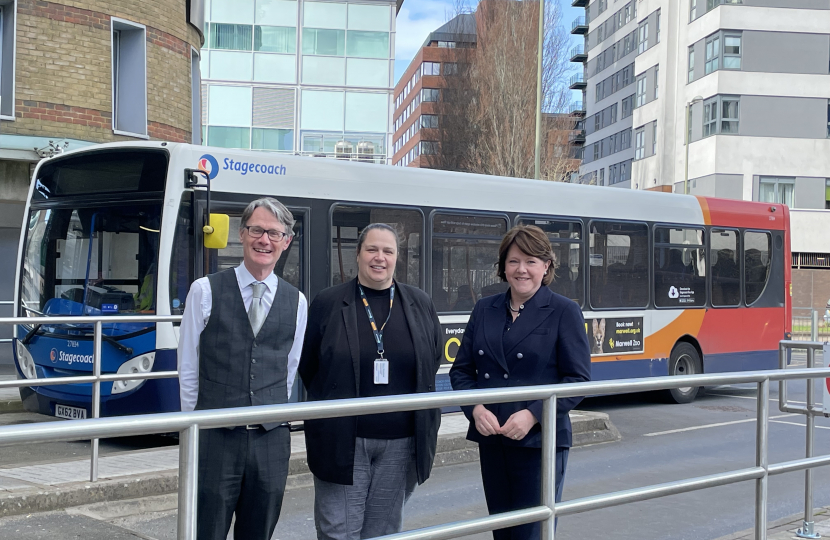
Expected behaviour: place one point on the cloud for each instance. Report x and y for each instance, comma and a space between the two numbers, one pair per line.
416, 19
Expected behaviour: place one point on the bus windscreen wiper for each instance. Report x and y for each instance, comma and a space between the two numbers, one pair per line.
32, 333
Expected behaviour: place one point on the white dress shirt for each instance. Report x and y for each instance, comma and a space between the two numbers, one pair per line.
196, 314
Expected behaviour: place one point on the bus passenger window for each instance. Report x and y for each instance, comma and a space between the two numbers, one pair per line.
565, 238
679, 268
757, 250
618, 262
465, 250
289, 266
726, 277
347, 222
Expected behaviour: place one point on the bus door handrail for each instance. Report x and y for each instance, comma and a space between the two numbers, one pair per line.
188, 425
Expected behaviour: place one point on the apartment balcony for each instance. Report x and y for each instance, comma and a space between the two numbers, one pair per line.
578, 82
577, 108
579, 26
577, 137
578, 54
579, 3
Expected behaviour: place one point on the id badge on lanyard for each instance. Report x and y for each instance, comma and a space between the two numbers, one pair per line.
381, 372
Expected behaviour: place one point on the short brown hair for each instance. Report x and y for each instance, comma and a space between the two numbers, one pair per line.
533, 242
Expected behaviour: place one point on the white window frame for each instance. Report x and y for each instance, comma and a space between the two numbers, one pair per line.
716, 120
641, 91
691, 64
712, 62
777, 182
115, 50
642, 38
656, 82
739, 36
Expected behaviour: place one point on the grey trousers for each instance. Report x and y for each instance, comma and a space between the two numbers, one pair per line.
383, 479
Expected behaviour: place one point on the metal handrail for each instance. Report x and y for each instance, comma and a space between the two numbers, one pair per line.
189, 423
96, 378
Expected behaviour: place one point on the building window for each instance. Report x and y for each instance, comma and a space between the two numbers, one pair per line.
429, 120
367, 44
628, 106
450, 68
430, 94
429, 148
692, 10
319, 41
712, 53
642, 41
732, 52
129, 78
691, 63
777, 190
828, 118
658, 26
721, 114
601, 181
7, 44
231, 37
640, 143
641, 90
277, 39
430, 68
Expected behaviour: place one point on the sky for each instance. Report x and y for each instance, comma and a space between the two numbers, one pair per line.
417, 18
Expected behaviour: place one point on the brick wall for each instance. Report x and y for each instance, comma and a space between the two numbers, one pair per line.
63, 80
811, 288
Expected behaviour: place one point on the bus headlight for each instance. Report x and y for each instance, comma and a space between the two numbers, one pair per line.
139, 364
25, 361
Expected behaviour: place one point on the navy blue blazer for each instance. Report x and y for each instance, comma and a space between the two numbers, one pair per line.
547, 344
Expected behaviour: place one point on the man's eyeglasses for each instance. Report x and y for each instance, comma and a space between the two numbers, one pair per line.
257, 232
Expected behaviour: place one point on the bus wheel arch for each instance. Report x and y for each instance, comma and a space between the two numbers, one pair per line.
686, 359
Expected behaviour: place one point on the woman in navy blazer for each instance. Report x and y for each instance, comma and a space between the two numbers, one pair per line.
525, 336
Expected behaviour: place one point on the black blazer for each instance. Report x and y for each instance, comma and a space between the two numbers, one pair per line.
330, 369
547, 344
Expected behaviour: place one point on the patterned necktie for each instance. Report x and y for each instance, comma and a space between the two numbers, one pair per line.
256, 313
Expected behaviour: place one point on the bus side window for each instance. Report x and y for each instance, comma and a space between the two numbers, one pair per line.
618, 265
465, 249
566, 239
757, 250
348, 221
289, 265
679, 268
182, 259
726, 278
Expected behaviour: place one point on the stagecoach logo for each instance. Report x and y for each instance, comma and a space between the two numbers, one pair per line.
209, 165
55, 355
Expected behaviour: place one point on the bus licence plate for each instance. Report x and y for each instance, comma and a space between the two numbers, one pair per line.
70, 413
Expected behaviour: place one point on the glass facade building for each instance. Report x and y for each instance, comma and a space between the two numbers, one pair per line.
299, 76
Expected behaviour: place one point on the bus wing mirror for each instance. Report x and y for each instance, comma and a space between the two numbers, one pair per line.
216, 231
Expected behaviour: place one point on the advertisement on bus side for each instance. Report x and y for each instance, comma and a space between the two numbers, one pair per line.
615, 335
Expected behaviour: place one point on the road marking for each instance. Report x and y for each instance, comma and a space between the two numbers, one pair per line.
754, 398
694, 428
797, 424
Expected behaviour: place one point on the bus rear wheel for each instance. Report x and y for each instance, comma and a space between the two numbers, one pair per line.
684, 361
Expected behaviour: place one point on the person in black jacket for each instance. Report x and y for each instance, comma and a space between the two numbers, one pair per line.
527, 335
371, 336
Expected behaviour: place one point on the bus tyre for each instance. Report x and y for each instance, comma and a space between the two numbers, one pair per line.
684, 361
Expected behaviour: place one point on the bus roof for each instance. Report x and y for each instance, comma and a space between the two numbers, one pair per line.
284, 175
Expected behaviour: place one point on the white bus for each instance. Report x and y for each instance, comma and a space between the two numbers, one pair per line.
117, 228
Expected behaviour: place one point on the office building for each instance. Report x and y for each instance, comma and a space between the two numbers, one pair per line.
299, 76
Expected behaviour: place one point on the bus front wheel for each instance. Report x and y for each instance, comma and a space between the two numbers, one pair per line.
684, 361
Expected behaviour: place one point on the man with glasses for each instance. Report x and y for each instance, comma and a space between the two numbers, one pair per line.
240, 342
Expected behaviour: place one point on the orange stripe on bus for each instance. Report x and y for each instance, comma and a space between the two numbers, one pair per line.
704, 207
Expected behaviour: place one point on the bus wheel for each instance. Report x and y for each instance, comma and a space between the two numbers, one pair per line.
684, 361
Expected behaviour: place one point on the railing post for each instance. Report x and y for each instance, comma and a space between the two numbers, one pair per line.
814, 326
806, 530
549, 465
762, 459
188, 482
96, 396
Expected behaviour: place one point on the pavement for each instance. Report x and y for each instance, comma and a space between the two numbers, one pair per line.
785, 529
60, 484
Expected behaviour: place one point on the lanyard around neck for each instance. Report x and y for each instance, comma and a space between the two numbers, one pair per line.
377, 332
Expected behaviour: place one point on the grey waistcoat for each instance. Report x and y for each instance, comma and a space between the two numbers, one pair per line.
237, 369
